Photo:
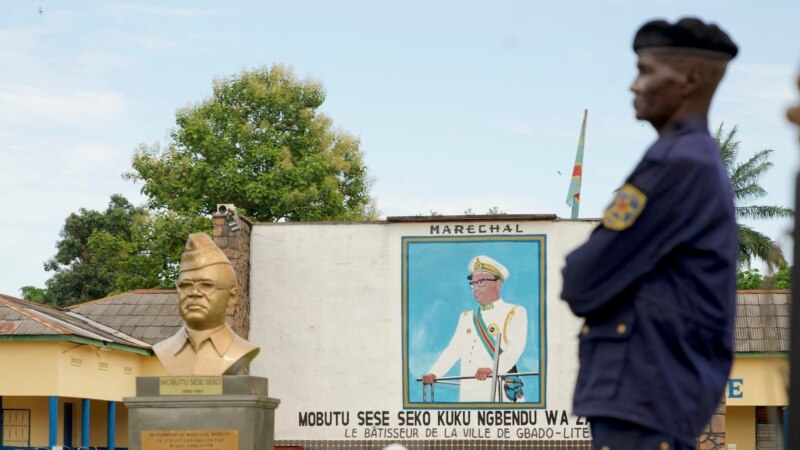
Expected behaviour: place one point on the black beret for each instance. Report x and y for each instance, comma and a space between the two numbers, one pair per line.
688, 35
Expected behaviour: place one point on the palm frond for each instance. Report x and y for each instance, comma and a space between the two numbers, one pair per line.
747, 193
753, 244
763, 212
745, 179
750, 171
728, 147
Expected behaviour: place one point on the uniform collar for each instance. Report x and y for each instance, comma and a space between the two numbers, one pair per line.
495, 304
689, 125
660, 148
221, 338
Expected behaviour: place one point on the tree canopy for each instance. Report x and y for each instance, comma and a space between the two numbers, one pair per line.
78, 275
745, 178
260, 143
752, 279
119, 249
149, 258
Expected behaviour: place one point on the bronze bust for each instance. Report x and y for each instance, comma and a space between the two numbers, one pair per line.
205, 345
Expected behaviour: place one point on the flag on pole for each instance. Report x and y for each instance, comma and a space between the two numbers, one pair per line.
574, 194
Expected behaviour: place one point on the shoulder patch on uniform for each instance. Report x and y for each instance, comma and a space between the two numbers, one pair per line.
625, 208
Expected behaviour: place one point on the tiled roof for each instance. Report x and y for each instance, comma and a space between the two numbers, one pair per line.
762, 321
147, 315
23, 318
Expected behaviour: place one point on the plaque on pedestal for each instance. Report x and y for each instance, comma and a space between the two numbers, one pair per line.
201, 413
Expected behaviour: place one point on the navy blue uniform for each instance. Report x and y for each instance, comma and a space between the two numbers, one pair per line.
656, 284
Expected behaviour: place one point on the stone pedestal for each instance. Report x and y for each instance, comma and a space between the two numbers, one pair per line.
208, 413
713, 437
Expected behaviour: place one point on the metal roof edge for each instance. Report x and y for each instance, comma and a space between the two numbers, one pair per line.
78, 340
80, 331
29, 312
109, 330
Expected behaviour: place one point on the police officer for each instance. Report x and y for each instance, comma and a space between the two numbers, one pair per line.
656, 281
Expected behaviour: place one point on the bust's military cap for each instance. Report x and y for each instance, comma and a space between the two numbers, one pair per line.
688, 35
201, 251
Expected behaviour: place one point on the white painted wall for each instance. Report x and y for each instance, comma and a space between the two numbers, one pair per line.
326, 312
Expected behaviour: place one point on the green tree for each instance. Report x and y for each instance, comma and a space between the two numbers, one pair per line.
32, 293
149, 257
746, 189
78, 275
493, 211
122, 248
261, 143
749, 280
782, 279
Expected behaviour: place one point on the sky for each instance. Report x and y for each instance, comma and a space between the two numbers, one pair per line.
457, 104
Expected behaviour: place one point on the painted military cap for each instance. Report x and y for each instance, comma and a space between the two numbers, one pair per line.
484, 264
201, 252
687, 35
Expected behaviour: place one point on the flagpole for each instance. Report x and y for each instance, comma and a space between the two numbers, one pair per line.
574, 194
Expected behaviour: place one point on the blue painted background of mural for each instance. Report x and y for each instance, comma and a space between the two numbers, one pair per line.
438, 292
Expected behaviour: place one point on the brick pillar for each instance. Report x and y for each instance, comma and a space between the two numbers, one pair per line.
236, 246
713, 436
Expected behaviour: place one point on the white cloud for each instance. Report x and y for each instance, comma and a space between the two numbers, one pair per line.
19, 50
97, 62
83, 158
153, 43
57, 105
522, 129
44, 179
757, 92
158, 42
152, 10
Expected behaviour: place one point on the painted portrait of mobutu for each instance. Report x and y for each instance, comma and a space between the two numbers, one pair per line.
474, 321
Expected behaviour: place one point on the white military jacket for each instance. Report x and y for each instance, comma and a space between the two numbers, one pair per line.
466, 345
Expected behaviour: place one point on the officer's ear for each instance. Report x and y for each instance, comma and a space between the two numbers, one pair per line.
695, 81
703, 74
685, 70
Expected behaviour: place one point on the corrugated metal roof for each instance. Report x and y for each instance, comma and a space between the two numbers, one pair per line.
8, 314
33, 328
20, 317
12, 320
762, 321
147, 315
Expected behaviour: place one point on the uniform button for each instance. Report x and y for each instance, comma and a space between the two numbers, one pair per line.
585, 330
663, 446
622, 328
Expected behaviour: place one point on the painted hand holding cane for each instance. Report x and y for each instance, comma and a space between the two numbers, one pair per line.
510, 384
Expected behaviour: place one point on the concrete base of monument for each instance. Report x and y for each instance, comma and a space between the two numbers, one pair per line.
198, 412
